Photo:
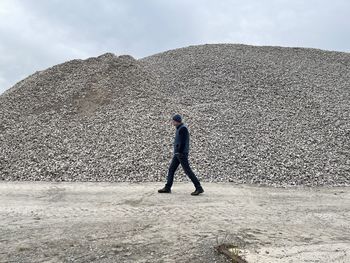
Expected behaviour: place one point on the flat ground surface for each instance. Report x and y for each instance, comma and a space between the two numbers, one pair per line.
122, 222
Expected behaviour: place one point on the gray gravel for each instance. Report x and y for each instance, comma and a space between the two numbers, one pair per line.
263, 115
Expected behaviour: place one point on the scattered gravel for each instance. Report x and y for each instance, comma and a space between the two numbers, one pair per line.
263, 115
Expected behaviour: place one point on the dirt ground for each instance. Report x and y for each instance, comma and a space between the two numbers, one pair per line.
123, 222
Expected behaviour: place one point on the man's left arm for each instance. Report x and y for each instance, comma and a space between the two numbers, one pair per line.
183, 133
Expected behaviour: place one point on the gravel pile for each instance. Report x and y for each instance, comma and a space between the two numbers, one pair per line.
263, 115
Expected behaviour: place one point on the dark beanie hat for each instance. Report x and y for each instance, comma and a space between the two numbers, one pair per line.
177, 117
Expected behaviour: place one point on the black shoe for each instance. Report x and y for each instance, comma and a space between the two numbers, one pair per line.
198, 191
164, 190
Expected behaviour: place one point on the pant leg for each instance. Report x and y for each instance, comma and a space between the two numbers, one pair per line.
172, 169
188, 171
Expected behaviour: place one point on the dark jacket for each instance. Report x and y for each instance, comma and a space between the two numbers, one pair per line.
182, 139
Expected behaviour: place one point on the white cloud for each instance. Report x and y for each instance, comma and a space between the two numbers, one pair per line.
36, 34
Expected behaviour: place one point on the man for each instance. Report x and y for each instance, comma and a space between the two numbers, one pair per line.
181, 150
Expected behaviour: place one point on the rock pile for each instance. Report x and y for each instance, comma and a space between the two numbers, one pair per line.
266, 115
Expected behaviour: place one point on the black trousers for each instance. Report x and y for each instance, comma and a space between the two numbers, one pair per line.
183, 160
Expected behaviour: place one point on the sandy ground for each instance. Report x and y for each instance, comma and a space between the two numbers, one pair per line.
122, 222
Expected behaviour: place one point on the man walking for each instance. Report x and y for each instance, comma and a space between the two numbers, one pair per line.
181, 150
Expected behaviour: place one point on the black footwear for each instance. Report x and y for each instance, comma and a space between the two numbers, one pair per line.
164, 190
198, 191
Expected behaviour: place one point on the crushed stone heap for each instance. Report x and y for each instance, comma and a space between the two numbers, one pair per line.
264, 115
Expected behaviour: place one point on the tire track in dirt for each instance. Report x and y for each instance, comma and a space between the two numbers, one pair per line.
83, 222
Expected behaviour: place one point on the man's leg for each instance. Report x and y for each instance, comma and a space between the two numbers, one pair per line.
188, 171
172, 169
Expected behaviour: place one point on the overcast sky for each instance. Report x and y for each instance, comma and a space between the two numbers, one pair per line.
37, 34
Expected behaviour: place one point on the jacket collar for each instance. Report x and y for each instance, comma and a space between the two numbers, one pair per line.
178, 126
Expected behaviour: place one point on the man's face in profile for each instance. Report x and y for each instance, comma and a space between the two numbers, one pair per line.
175, 123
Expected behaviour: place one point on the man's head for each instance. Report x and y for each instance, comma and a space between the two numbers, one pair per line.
177, 119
